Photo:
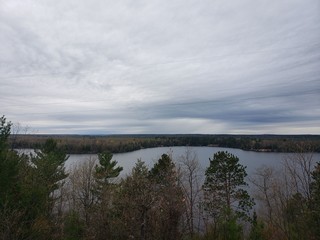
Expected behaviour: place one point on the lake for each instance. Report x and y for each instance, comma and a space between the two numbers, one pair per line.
252, 160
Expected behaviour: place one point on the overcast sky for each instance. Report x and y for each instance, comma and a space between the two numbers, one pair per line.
117, 67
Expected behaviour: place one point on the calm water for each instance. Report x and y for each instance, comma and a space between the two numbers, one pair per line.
252, 160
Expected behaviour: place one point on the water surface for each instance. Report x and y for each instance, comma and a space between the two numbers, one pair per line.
252, 160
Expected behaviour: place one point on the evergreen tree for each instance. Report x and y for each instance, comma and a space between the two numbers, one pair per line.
9, 166
106, 218
73, 226
48, 173
163, 171
5, 128
43, 179
11, 210
225, 195
133, 203
169, 199
107, 169
257, 229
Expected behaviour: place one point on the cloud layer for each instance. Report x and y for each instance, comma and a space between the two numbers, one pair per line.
100, 67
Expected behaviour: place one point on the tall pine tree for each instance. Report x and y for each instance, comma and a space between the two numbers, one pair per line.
226, 199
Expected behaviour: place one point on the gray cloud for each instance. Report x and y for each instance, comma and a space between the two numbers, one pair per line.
161, 67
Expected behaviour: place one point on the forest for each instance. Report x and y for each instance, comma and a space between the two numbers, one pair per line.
76, 144
39, 199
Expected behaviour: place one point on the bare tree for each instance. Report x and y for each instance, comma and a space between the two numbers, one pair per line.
283, 195
271, 194
299, 167
190, 182
16, 130
82, 185
262, 181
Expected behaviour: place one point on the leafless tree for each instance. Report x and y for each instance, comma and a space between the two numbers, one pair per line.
281, 192
82, 185
271, 194
190, 182
16, 130
299, 166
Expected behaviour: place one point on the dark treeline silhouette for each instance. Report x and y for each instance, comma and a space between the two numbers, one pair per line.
127, 143
174, 199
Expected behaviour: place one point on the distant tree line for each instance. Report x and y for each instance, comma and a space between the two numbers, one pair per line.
126, 143
171, 200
